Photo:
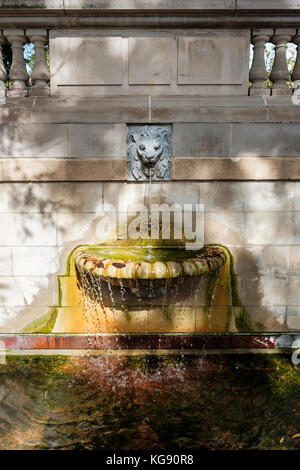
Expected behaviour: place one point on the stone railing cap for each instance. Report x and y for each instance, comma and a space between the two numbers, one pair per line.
142, 5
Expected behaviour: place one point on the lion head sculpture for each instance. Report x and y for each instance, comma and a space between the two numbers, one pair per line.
149, 154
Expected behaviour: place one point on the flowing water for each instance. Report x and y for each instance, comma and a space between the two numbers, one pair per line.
116, 402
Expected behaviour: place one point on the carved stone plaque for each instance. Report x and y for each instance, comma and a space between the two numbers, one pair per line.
149, 152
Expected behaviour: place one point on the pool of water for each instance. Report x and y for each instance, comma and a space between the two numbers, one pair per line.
150, 402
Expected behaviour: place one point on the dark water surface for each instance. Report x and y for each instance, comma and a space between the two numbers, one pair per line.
150, 402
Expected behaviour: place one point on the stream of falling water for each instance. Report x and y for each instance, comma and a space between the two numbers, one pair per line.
94, 308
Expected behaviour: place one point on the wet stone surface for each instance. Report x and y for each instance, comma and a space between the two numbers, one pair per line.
150, 402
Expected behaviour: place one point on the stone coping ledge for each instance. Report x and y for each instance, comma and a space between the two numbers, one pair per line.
148, 342
145, 109
151, 5
115, 169
149, 13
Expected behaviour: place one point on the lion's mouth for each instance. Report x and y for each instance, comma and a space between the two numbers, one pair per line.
150, 164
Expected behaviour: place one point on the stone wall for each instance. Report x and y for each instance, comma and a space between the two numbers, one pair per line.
259, 222
62, 156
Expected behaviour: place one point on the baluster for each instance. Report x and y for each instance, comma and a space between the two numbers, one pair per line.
280, 73
18, 73
296, 71
40, 73
258, 73
3, 74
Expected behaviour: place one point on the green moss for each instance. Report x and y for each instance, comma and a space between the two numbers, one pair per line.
138, 253
44, 324
243, 320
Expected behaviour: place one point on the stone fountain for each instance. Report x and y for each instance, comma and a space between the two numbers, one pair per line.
145, 284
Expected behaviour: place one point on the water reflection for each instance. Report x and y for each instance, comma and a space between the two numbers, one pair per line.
149, 402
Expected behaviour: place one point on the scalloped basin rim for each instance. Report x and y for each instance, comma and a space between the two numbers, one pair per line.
134, 262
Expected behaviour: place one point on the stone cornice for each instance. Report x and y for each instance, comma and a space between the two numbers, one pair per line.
136, 109
146, 14
151, 6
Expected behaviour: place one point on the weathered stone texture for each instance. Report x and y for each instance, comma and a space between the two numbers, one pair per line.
201, 140
213, 62
263, 238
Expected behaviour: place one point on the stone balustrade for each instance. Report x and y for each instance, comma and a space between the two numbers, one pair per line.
280, 74
15, 81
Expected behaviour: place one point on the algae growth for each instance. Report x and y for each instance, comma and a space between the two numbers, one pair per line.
145, 402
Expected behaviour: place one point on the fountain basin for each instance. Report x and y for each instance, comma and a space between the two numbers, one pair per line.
120, 277
148, 262
121, 290
135, 289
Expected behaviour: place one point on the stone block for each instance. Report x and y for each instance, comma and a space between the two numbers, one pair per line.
171, 193
27, 230
212, 319
224, 227
120, 321
235, 168
63, 169
123, 195
78, 227
33, 140
86, 61
295, 260
283, 112
26, 315
5, 262
150, 60
258, 260
297, 227
274, 228
270, 318
91, 110
10, 293
37, 291
265, 139
50, 197
202, 109
180, 320
268, 196
71, 320
297, 196
221, 196
293, 317
294, 290
70, 294
201, 140
203, 60
265, 290
19, 112
7, 320
97, 140
35, 261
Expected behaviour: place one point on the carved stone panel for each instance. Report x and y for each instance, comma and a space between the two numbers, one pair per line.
87, 61
216, 59
150, 61
149, 153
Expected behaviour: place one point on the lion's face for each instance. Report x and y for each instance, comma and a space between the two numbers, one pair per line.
147, 148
